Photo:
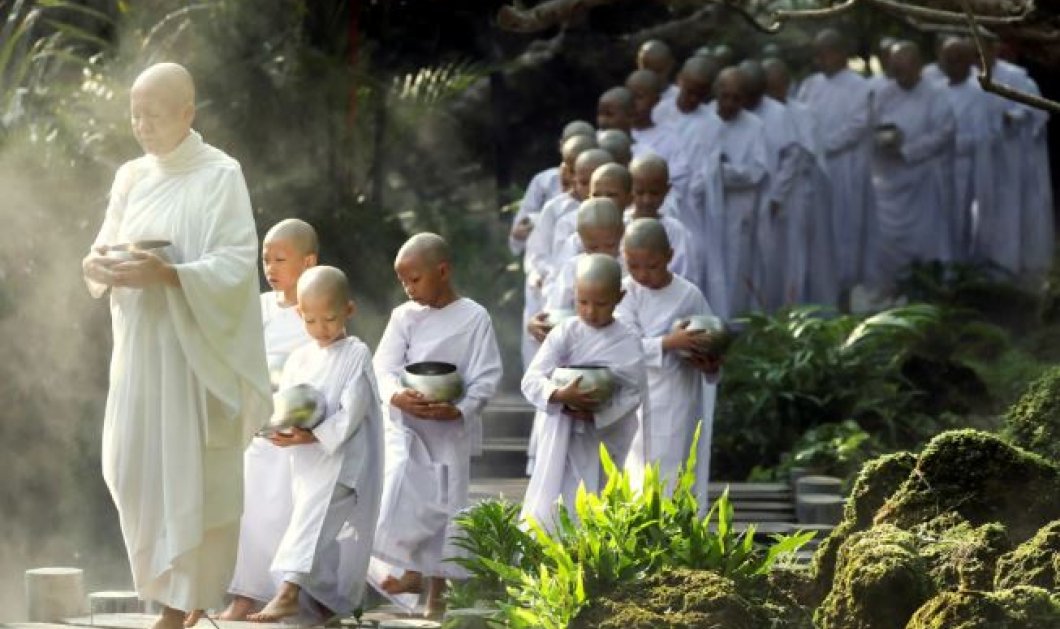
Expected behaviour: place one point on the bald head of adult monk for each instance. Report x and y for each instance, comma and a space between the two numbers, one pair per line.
650, 176
614, 110
598, 289
617, 143
830, 51
645, 86
584, 167
325, 304
729, 93
648, 253
883, 52
162, 107
906, 64
423, 268
778, 79
754, 82
695, 82
656, 56
956, 59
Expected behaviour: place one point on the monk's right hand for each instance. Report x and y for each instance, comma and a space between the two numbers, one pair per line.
538, 326
412, 402
96, 266
522, 230
575, 397
683, 339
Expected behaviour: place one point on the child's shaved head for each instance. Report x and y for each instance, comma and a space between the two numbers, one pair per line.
651, 184
324, 282
575, 146
648, 234
297, 232
601, 270
617, 143
427, 248
599, 212
584, 167
577, 127
649, 165
613, 172
615, 110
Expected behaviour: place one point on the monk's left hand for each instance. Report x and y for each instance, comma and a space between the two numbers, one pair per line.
297, 437
147, 269
443, 411
709, 364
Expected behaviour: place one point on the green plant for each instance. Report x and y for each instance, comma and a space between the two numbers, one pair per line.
835, 449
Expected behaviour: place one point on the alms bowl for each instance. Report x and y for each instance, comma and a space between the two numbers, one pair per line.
556, 316
716, 330
438, 382
125, 251
596, 378
888, 134
300, 406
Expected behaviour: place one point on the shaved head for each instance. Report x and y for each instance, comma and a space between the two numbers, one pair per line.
906, 64
428, 248
615, 109
599, 212
299, 233
643, 79
655, 55
830, 52
169, 79
613, 172
617, 143
619, 96
725, 54
650, 165
730, 93
599, 269
830, 39
778, 79
696, 81
575, 128
754, 82
575, 146
956, 59
648, 234
592, 159
324, 282
162, 107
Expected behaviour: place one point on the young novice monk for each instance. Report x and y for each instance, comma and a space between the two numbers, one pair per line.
586, 164
617, 143
289, 248
682, 389
569, 440
427, 481
653, 198
336, 467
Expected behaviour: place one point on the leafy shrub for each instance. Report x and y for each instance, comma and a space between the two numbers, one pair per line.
833, 449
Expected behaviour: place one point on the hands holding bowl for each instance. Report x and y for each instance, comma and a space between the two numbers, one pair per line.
431, 389
582, 389
700, 339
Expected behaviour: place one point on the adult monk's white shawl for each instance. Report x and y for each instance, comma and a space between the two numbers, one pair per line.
428, 472
681, 396
544, 185
188, 378
568, 451
267, 469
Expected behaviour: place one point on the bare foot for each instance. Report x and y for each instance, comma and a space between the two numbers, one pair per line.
435, 599
238, 608
410, 583
283, 605
192, 618
169, 619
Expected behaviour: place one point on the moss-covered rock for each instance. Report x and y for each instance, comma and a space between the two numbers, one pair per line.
1017, 608
878, 479
981, 478
959, 555
1035, 562
677, 599
880, 580
1033, 422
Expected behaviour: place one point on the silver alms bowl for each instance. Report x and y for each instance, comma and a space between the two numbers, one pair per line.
718, 337
300, 406
596, 378
125, 251
438, 382
556, 316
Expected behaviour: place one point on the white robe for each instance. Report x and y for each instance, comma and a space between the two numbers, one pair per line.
841, 105
669, 142
326, 549
681, 396
664, 110
542, 187
569, 450
685, 261
914, 190
539, 262
727, 189
560, 293
188, 378
428, 462
266, 469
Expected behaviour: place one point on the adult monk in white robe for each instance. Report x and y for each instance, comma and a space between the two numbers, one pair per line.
655, 55
840, 101
883, 55
188, 378
586, 165
977, 142
810, 274
912, 166
682, 382
570, 439
428, 472
780, 205
665, 140
727, 190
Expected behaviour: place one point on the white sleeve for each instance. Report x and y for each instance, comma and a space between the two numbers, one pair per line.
537, 384
339, 426
389, 357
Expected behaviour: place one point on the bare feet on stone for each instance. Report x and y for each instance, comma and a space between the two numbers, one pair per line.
192, 618
283, 605
238, 609
409, 583
435, 599
169, 619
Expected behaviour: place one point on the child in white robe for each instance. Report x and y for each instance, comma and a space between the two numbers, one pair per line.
336, 466
288, 249
569, 441
680, 377
428, 473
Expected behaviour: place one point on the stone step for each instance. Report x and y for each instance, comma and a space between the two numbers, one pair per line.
507, 415
502, 457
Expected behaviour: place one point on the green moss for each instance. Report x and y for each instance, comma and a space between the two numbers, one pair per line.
974, 474
880, 580
1016, 608
1033, 422
1035, 562
959, 555
677, 599
878, 479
